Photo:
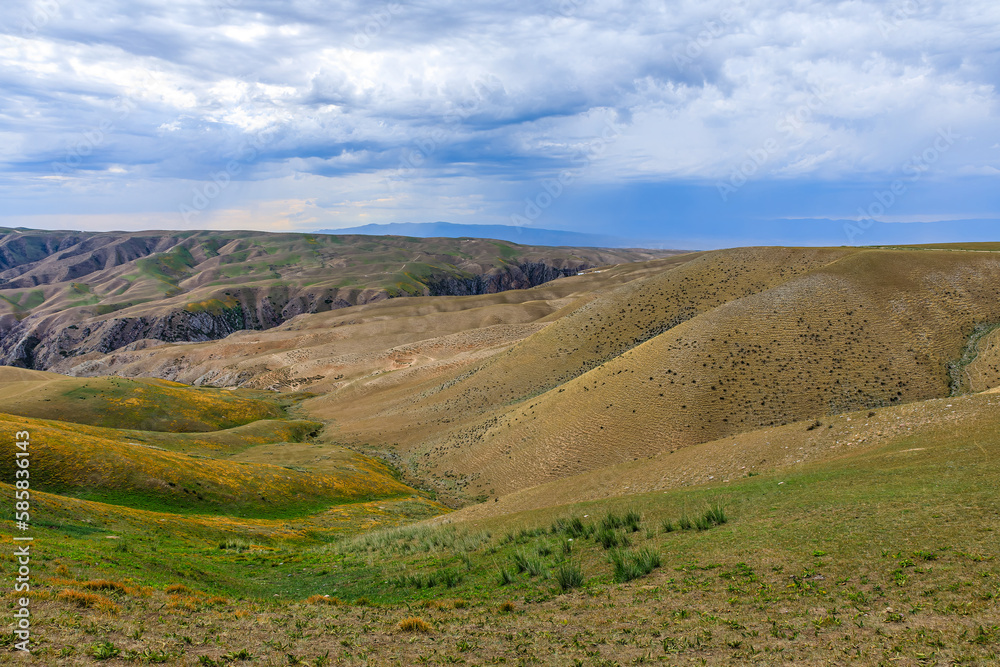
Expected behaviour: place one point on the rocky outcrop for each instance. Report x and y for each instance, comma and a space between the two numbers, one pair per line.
66, 295
45, 343
501, 279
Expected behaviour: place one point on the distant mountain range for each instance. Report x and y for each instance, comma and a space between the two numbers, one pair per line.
523, 235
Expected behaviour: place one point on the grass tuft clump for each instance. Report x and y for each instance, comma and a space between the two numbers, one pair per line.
323, 599
104, 585
632, 565
88, 600
569, 576
415, 624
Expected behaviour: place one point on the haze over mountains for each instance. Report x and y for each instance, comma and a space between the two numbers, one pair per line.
524, 235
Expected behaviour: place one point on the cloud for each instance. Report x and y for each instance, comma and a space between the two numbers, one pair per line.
137, 97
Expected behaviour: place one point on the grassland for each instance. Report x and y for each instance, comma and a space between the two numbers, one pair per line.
747, 457
885, 555
145, 404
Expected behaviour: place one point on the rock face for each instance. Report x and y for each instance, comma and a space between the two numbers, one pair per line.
521, 276
64, 295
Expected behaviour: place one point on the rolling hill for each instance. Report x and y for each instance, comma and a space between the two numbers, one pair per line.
480, 396
67, 293
725, 457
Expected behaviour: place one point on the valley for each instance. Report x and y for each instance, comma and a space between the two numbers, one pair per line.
745, 456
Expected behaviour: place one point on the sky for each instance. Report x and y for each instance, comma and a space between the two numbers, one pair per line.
694, 123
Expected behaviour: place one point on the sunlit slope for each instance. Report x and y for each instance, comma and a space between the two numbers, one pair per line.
903, 431
313, 350
584, 335
154, 405
874, 328
114, 470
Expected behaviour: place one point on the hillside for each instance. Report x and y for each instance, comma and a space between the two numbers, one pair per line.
479, 396
67, 293
635, 376
885, 550
727, 457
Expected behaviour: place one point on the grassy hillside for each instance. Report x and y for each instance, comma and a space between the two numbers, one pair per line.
857, 330
886, 553
751, 456
146, 404
113, 470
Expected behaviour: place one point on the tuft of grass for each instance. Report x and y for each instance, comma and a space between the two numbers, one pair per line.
104, 585
611, 521
716, 515
504, 577
88, 600
415, 624
507, 606
632, 521
449, 577
610, 538
576, 528
520, 562
668, 526
569, 576
178, 589
685, 523
323, 599
632, 565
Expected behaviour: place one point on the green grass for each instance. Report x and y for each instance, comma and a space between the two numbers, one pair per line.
569, 576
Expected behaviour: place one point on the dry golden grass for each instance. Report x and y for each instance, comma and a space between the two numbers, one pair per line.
323, 600
178, 589
103, 461
415, 624
89, 601
146, 404
839, 330
105, 585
